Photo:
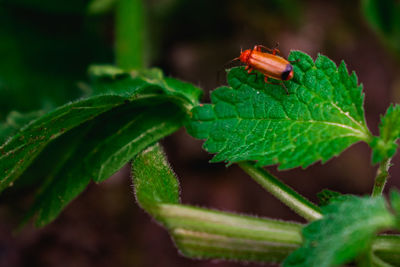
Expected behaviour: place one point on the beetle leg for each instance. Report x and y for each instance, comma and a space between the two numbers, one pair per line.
297, 60
257, 48
281, 84
273, 51
284, 86
266, 80
249, 71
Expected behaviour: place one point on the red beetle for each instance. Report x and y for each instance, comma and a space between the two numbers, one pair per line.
269, 64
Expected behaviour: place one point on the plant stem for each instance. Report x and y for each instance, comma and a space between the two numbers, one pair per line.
387, 248
204, 233
378, 262
211, 234
281, 191
382, 175
130, 34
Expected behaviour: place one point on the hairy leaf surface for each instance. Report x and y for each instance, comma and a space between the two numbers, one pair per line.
103, 146
104, 131
253, 120
14, 121
346, 230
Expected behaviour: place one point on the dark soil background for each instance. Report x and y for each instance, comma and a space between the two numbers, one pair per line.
189, 40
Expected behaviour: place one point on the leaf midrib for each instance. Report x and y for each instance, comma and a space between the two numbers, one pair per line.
360, 133
363, 133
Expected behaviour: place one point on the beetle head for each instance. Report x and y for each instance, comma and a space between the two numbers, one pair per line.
245, 55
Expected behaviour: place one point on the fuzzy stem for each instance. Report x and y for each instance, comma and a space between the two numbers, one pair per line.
211, 234
387, 248
382, 175
204, 233
281, 191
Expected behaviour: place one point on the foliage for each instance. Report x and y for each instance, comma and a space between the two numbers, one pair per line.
203, 233
93, 137
385, 145
252, 120
346, 230
128, 109
14, 121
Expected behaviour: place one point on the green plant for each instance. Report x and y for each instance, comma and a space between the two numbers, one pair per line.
249, 123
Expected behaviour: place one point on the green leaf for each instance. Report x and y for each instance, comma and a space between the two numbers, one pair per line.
103, 132
385, 146
19, 152
108, 79
203, 233
14, 121
102, 147
346, 230
252, 120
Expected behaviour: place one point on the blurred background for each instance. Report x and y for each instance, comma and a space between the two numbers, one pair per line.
46, 47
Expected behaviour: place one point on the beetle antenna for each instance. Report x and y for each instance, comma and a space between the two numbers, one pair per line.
224, 66
230, 61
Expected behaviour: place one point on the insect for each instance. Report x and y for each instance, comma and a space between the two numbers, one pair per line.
269, 64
